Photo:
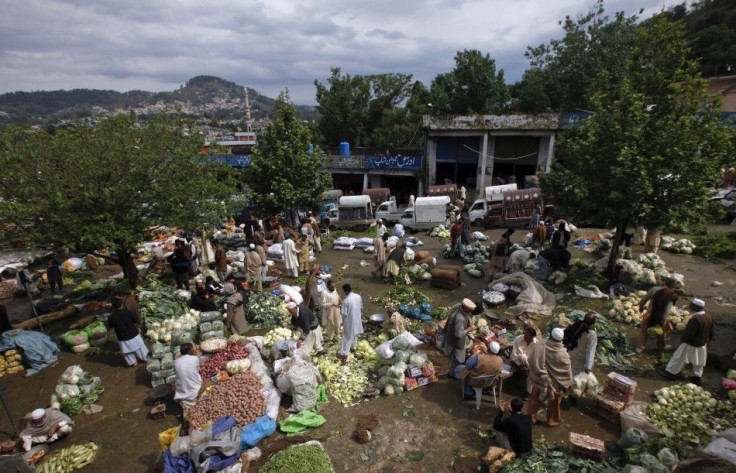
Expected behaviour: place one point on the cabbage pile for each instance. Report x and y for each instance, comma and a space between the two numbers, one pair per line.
475, 270
175, 329
344, 381
440, 232
420, 271
161, 302
392, 375
626, 309
74, 390
686, 411
266, 310
478, 253
683, 245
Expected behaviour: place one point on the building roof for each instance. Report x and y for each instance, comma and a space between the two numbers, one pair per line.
539, 122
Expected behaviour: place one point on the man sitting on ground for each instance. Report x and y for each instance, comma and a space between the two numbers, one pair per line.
515, 431
45, 426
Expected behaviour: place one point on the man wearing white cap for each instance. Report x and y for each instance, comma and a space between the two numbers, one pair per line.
481, 363
551, 375
304, 319
456, 329
45, 426
253, 265
693, 347
380, 228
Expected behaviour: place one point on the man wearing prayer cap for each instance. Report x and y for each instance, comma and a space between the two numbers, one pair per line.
304, 319
480, 367
253, 272
457, 327
45, 426
550, 375
693, 347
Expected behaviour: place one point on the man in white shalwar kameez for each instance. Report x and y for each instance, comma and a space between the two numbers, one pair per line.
693, 348
290, 256
352, 325
331, 311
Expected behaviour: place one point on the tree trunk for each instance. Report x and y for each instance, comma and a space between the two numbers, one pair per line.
613, 257
129, 270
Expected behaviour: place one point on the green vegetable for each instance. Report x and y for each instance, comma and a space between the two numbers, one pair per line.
266, 310
305, 458
731, 374
555, 459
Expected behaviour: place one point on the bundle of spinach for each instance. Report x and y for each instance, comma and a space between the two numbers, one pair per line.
554, 459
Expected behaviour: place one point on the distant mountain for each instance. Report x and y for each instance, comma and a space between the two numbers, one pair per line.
207, 98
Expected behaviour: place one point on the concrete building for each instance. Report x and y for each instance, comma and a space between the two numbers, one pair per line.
476, 151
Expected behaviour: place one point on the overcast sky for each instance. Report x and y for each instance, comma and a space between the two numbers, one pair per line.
268, 45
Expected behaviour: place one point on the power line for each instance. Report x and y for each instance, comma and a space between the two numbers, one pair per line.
496, 158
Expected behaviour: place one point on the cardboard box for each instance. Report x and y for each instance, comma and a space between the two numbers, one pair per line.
608, 407
410, 384
620, 387
588, 447
413, 371
422, 381
428, 369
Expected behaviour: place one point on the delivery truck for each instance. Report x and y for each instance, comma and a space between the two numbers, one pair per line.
492, 195
427, 213
389, 212
516, 209
354, 211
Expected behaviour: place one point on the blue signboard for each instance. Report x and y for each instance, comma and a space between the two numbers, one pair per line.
234, 160
402, 163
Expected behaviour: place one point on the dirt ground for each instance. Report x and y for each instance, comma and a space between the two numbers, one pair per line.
421, 431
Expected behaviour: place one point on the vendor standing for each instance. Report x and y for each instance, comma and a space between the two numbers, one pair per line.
520, 352
303, 246
304, 319
379, 248
500, 252
234, 303
291, 255
661, 299
352, 323
456, 329
693, 346
551, 376
45, 426
581, 341
188, 379
125, 323
253, 264
331, 311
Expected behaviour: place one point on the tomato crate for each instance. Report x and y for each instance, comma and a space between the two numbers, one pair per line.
588, 447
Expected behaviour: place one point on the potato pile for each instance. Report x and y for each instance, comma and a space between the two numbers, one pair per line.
626, 309
218, 361
239, 396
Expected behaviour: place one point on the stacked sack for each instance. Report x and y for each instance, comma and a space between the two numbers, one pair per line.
161, 364
211, 325
76, 389
407, 369
11, 362
446, 277
76, 340
97, 333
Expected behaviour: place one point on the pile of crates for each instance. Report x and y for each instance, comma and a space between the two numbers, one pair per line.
587, 447
617, 396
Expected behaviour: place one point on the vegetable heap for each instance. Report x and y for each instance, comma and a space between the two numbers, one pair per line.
164, 330
279, 333
161, 302
344, 381
555, 459
218, 361
683, 245
266, 310
75, 388
392, 375
304, 458
69, 459
401, 295
626, 309
237, 366
239, 396
689, 413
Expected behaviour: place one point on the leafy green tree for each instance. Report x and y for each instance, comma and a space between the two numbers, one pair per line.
343, 108
284, 175
93, 187
593, 44
652, 150
473, 86
532, 97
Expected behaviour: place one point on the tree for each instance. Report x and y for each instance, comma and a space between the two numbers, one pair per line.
343, 108
284, 175
652, 150
94, 187
532, 97
473, 86
593, 44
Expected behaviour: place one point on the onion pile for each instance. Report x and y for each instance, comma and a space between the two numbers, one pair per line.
240, 396
219, 360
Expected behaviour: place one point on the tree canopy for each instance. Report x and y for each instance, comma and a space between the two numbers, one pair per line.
473, 86
284, 175
90, 188
652, 149
566, 68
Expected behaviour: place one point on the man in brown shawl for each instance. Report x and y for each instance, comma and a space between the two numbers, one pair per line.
235, 321
551, 376
379, 247
253, 265
660, 300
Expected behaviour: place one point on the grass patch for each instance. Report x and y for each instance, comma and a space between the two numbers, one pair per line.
720, 245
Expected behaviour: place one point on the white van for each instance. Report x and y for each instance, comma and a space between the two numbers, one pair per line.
493, 195
354, 211
427, 213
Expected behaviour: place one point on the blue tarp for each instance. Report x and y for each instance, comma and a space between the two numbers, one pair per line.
39, 350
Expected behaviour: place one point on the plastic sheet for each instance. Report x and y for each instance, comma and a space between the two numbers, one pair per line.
533, 299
